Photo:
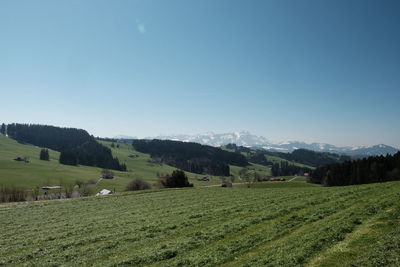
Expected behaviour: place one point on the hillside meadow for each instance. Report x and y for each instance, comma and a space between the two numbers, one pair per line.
38, 173
270, 224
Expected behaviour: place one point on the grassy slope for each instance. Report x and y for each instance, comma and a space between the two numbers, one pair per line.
40, 173
276, 159
37, 172
268, 225
140, 167
260, 169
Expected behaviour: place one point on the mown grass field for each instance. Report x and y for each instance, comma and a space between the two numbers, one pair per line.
271, 224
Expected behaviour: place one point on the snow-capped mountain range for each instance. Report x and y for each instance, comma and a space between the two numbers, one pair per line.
212, 139
247, 139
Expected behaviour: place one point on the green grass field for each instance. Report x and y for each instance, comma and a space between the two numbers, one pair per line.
271, 224
140, 166
38, 173
276, 159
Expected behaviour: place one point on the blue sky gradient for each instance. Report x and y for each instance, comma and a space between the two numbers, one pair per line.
310, 70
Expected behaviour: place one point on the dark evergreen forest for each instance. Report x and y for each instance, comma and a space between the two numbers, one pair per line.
367, 170
311, 158
76, 145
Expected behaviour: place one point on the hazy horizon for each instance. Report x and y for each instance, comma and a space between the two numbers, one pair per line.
133, 135
242, 131
312, 71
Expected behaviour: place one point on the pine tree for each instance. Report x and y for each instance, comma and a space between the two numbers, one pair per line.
3, 129
44, 154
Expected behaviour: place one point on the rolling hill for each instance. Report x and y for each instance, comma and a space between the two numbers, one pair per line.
191, 157
38, 173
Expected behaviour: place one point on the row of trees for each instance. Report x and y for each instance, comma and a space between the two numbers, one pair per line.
191, 157
367, 170
76, 145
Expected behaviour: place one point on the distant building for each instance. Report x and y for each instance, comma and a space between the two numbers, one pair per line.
50, 187
104, 192
277, 179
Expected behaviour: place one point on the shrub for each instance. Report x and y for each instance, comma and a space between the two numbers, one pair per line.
107, 174
138, 184
87, 190
68, 190
159, 183
178, 178
79, 183
12, 194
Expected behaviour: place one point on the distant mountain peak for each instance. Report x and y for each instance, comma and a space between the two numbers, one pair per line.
242, 138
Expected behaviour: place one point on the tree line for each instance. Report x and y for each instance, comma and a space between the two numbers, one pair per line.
191, 157
303, 156
311, 158
367, 170
76, 145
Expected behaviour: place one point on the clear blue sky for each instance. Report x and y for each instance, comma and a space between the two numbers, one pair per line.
310, 70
